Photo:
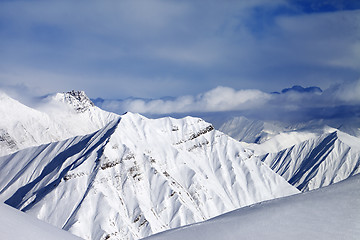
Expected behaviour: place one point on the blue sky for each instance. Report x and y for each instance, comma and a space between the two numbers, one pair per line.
154, 48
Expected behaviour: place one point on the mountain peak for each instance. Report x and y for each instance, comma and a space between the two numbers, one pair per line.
77, 99
156, 173
301, 89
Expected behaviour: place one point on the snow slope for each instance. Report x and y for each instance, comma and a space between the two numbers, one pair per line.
251, 131
328, 213
287, 139
15, 224
60, 116
137, 176
257, 132
317, 162
308, 155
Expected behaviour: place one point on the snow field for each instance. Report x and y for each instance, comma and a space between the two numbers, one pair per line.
328, 213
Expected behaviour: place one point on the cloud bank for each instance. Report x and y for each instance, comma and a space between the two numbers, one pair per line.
217, 99
295, 104
341, 100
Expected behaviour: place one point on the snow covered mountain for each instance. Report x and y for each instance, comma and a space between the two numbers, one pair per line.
308, 155
137, 176
257, 131
59, 116
15, 224
104, 176
251, 131
317, 162
328, 213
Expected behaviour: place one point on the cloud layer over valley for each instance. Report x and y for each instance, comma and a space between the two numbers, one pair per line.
296, 103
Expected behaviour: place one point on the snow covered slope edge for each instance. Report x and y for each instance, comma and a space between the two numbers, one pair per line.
331, 212
15, 224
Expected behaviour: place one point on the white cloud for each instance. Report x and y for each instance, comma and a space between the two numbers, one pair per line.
217, 99
338, 101
349, 93
251, 102
227, 99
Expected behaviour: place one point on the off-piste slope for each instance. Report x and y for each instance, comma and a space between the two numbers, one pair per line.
251, 131
59, 116
137, 176
15, 224
317, 162
331, 212
308, 155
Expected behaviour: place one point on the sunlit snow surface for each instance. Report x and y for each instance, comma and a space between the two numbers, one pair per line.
57, 117
308, 155
317, 162
132, 176
20, 226
328, 213
137, 176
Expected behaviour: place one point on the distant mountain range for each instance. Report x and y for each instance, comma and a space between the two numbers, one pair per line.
308, 155
101, 175
301, 89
